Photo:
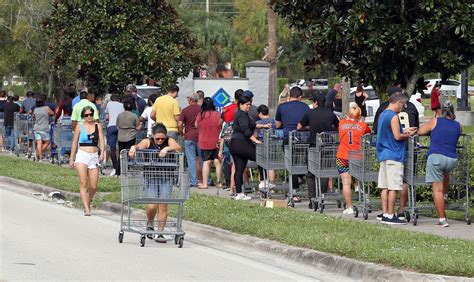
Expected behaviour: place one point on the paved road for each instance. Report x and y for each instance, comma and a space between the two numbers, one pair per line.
43, 240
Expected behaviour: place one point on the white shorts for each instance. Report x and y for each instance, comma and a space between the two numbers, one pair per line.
89, 159
390, 175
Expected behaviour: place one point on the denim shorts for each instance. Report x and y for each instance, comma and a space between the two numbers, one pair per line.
437, 166
158, 188
41, 135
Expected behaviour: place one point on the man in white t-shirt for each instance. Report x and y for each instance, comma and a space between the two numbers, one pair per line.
113, 109
146, 115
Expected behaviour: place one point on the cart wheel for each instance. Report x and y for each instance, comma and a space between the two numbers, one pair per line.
356, 211
176, 239
321, 210
366, 215
142, 241
415, 220
291, 203
180, 242
263, 195
407, 216
120, 237
315, 206
339, 204
468, 221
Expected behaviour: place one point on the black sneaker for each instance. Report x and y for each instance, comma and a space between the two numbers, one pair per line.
393, 221
379, 216
401, 215
160, 239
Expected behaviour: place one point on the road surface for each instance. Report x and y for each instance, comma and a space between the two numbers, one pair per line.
43, 240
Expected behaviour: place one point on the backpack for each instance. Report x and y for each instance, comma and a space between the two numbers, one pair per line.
227, 132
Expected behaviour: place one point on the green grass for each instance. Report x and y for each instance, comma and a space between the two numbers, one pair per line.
355, 239
50, 175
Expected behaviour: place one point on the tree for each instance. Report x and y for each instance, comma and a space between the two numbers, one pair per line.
272, 58
381, 42
115, 42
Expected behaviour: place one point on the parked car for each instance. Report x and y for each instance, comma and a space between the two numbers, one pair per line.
373, 102
449, 86
145, 91
317, 84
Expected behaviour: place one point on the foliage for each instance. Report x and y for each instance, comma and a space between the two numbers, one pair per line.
114, 42
381, 42
281, 84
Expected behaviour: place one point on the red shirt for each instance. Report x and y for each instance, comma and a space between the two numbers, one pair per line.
229, 111
350, 133
188, 117
209, 130
435, 104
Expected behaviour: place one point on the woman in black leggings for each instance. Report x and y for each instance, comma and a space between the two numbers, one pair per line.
242, 143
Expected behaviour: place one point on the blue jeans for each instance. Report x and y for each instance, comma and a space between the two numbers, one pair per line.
10, 133
191, 150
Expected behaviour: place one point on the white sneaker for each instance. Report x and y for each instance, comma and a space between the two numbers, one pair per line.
242, 197
348, 211
112, 173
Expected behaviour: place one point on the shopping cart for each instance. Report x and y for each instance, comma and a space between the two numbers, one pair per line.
414, 175
2, 132
322, 163
363, 166
150, 179
23, 130
270, 156
296, 159
62, 139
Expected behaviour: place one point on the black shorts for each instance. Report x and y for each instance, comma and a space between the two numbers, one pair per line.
208, 155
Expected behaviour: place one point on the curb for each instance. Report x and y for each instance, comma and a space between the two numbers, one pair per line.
342, 265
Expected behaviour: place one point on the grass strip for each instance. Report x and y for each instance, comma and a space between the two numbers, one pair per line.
50, 175
355, 239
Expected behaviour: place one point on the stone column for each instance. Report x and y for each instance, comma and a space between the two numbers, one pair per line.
258, 74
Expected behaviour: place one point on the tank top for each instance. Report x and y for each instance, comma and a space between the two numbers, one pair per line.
359, 100
89, 140
444, 137
387, 147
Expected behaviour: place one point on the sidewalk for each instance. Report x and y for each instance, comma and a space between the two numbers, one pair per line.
457, 229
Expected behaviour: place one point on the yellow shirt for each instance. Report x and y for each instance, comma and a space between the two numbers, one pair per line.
166, 108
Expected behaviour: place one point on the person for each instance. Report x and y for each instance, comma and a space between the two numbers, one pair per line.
3, 101
226, 158
390, 153
113, 109
166, 110
165, 144
187, 129
229, 111
86, 99
435, 99
265, 122
87, 138
242, 145
351, 131
29, 102
444, 133
16, 100
331, 96
127, 126
287, 116
10, 109
145, 118
208, 123
41, 113
64, 108
360, 97
337, 104
284, 94
408, 117
139, 104
318, 119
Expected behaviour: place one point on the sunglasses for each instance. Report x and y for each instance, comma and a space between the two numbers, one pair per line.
160, 139
88, 115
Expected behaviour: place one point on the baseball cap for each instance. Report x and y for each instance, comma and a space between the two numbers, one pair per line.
248, 93
194, 97
394, 89
131, 87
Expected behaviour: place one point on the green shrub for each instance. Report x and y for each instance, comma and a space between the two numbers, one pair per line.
281, 81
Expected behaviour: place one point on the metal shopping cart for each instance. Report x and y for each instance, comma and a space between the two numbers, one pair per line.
414, 175
270, 156
150, 179
2, 132
363, 166
322, 163
23, 130
62, 139
296, 159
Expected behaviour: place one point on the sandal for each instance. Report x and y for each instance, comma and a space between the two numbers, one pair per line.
150, 228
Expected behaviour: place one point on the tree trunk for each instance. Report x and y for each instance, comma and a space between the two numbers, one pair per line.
50, 83
346, 91
272, 59
411, 83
